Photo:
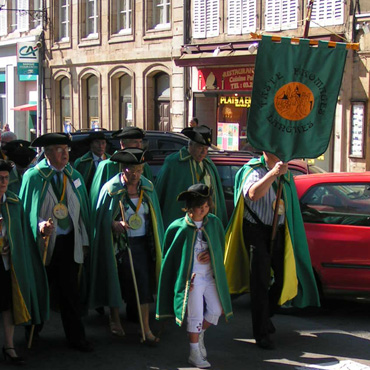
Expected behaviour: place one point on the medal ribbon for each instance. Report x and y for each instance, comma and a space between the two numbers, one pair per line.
57, 191
132, 205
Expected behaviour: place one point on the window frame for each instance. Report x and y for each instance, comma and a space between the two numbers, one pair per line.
337, 5
238, 11
278, 10
67, 22
205, 18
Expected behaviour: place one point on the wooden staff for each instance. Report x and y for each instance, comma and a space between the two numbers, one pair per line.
134, 279
46, 246
276, 213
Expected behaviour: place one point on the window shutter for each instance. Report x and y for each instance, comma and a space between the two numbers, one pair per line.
249, 18
272, 15
23, 18
213, 18
199, 19
234, 11
327, 13
289, 14
3, 22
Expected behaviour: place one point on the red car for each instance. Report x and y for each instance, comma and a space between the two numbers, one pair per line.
336, 214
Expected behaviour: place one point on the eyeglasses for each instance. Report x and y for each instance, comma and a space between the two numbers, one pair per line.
4, 178
133, 172
63, 150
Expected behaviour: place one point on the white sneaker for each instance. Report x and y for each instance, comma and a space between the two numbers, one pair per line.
197, 359
202, 347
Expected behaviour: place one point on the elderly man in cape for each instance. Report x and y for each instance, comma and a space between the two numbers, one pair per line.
88, 163
187, 167
19, 152
137, 225
54, 190
250, 256
130, 137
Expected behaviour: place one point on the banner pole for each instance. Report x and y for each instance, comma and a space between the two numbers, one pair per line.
308, 19
276, 213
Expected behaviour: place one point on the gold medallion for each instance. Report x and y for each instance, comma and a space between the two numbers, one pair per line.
281, 209
135, 221
60, 211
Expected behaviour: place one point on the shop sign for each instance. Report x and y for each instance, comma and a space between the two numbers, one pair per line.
237, 101
28, 58
240, 78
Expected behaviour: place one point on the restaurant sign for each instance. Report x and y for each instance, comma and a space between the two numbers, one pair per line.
239, 78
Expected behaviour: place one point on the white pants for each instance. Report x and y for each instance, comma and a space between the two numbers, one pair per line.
204, 291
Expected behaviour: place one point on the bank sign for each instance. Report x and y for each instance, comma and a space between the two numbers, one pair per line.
27, 58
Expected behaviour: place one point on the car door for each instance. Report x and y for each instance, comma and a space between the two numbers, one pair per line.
337, 224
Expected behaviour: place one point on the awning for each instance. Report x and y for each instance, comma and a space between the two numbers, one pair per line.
224, 57
25, 107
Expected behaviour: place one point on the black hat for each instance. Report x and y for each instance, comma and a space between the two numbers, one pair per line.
19, 152
6, 165
129, 133
59, 138
129, 156
195, 191
200, 134
96, 135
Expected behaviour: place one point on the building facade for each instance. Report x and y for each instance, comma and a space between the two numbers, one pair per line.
110, 64
21, 23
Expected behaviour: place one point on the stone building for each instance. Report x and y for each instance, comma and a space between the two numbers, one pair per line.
111, 64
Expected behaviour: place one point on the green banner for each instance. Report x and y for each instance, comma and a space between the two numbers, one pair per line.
295, 92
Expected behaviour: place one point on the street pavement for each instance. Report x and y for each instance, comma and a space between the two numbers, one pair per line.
337, 335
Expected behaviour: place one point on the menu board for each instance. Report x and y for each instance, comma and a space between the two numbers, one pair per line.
357, 130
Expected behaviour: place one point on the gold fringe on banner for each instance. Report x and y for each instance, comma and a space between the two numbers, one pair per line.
331, 44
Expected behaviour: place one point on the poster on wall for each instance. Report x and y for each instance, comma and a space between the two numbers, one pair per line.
357, 130
94, 123
67, 125
228, 136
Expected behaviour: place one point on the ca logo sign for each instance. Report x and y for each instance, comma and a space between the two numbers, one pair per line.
28, 52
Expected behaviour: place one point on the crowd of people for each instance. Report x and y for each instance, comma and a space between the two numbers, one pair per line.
101, 233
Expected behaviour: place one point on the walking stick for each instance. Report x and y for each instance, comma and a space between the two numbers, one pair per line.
46, 246
134, 280
276, 213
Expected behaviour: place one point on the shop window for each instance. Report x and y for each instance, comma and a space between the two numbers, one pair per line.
121, 17
125, 102
327, 13
241, 16
65, 104
206, 18
281, 14
159, 14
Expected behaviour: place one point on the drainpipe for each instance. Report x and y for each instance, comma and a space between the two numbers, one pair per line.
185, 69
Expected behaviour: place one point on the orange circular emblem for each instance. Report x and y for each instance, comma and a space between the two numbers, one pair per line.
294, 101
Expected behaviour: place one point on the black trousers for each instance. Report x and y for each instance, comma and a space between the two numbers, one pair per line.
265, 291
63, 281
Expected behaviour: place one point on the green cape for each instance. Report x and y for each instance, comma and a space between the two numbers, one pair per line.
177, 266
34, 187
175, 176
86, 167
299, 281
105, 171
105, 287
29, 283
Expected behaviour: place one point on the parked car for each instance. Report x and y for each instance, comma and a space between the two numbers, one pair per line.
336, 214
160, 144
